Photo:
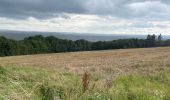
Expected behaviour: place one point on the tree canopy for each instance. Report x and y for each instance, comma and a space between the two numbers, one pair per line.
39, 44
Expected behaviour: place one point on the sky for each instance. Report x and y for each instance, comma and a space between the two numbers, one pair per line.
87, 16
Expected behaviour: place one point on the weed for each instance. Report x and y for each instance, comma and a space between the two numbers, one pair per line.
85, 81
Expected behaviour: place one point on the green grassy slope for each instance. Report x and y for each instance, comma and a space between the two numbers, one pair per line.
35, 83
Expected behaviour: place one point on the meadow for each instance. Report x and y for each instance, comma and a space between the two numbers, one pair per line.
123, 74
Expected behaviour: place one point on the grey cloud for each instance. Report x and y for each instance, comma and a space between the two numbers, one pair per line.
117, 8
130, 8
38, 8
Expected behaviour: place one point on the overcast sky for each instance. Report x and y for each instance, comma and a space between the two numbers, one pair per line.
87, 16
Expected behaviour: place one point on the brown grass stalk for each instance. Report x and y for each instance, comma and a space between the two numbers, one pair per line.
85, 81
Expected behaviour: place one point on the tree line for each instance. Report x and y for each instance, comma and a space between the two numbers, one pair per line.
39, 44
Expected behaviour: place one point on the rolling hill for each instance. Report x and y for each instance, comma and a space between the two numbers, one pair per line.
19, 35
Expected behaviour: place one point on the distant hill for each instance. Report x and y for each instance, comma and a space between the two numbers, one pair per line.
18, 35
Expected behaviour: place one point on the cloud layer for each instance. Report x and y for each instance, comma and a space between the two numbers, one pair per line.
38, 8
118, 8
98, 16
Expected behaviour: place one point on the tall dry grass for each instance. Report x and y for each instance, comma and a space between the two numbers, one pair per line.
132, 74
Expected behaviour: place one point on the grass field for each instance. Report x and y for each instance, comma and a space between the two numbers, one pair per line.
125, 74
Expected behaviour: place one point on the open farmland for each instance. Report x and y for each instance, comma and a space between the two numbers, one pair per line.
125, 74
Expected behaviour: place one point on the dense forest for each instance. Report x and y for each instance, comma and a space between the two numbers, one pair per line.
39, 44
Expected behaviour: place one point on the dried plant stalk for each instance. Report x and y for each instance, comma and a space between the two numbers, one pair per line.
85, 81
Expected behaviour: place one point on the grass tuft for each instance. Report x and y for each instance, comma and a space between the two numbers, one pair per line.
2, 70
46, 92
